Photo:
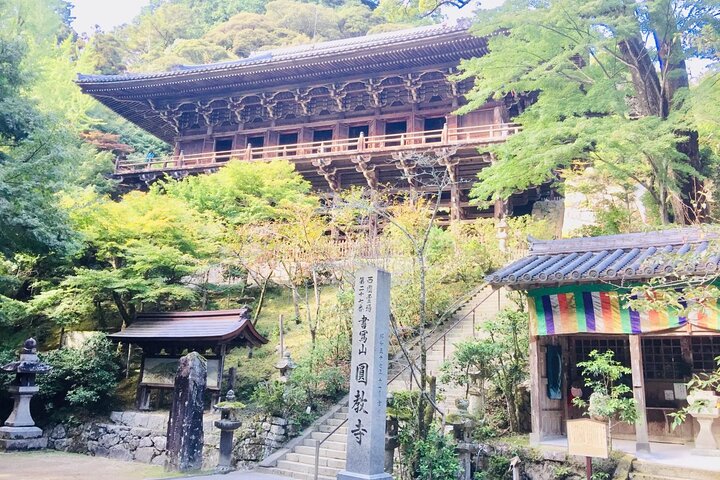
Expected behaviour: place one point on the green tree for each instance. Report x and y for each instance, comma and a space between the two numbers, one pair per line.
600, 97
243, 192
140, 254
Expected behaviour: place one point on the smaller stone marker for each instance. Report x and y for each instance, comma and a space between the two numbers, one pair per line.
368, 378
185, 426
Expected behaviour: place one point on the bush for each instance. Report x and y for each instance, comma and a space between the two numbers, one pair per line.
82, 380
436, 457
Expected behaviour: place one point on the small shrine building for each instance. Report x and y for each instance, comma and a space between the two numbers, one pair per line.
164, 337
576, 291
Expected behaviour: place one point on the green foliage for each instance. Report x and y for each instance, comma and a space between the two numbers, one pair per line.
175, 32
704, 381
497, 469
318, 381
590, 108
82, 379
611, 398
437, 459
497, 357
242, 192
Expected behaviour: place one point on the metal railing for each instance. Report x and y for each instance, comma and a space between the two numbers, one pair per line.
479, 134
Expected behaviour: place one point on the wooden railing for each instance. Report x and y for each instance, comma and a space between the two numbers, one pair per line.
475, 135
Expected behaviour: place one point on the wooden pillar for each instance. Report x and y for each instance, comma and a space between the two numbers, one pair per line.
535, 376
642, 444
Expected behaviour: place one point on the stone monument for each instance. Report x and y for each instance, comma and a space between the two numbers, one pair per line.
185, 426
368, 378
19, 431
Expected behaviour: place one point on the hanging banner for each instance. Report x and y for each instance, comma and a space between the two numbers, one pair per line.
594, 311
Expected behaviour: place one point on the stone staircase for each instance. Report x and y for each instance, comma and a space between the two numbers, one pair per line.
462, 325
297, 460
643, 470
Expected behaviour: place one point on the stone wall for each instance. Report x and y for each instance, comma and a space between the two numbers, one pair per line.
492, 459
141, 437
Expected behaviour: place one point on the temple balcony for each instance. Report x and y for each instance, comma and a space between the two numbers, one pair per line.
338, 152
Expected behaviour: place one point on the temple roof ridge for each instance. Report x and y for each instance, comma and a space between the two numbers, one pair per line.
294, 52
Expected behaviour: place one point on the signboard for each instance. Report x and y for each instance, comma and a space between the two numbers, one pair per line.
160, 372
365, 457
588, 438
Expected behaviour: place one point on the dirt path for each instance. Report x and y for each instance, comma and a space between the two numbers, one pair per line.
49, 465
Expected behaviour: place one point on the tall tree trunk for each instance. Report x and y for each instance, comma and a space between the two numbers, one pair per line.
644, 77
124, 314
261, 300
296, 301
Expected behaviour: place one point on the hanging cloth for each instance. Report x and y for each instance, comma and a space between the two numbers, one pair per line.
553, 362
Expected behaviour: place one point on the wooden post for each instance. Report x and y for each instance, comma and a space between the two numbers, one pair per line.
535, 375
361, 142
642, 443
588, 468
282, 336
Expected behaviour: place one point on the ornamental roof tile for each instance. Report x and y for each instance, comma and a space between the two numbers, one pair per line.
614, 258
296, 53
209, 326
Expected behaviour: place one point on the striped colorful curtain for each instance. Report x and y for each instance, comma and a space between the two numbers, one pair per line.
594, 311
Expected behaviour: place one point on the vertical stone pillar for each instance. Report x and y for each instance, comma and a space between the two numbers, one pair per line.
642, 443
368, 378
185, 426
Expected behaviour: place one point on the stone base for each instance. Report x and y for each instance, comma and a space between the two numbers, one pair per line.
17, 433
706, 452
345, 475
22, 438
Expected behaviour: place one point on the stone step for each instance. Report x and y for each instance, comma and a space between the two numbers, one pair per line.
303, 468
340, 416
310, 460
664, 471
324, 452
335, 437
297, 475
331, 428
333, 445
334, 421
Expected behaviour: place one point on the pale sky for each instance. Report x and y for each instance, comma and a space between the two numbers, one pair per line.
106, 13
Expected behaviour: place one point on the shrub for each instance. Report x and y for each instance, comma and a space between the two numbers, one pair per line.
436, 457
82, 379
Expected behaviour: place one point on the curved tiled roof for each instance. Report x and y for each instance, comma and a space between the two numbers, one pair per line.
614, 258
285, 54
208, 326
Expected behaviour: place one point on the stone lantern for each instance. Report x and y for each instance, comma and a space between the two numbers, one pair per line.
286, 365
227, 424
19, 431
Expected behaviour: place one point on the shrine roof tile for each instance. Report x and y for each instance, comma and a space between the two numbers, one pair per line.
207, 326
614, 258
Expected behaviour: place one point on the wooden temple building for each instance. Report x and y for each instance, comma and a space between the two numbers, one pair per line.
165, 337
353, 112
576, 297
